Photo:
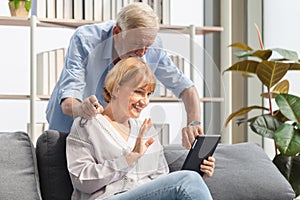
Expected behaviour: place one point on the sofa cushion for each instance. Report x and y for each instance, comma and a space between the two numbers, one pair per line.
243, 171
52, 164
19, 176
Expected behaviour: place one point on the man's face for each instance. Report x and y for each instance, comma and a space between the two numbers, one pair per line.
134, 42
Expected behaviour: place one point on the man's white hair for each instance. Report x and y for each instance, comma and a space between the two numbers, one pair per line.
137, 15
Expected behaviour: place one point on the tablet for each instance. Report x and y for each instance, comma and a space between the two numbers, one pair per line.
203, 147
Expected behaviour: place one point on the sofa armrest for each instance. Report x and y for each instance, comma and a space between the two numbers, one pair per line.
19, 175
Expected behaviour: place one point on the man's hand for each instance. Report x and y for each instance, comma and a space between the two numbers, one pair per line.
189, 134
208, 167
191, 102
90, 107
86, 109
140, 145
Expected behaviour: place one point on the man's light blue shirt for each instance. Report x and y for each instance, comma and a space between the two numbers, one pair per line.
89, 58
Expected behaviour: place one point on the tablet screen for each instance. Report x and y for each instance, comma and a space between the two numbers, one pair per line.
203, 147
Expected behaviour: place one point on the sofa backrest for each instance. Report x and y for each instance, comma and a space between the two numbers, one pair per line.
52, 165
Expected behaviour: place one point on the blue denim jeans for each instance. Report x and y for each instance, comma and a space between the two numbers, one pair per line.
181, 185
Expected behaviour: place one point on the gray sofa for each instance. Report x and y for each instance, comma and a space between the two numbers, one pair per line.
243, 171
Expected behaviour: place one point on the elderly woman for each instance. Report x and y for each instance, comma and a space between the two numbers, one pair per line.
116, 156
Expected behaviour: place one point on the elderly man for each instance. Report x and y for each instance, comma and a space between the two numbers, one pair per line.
95, 49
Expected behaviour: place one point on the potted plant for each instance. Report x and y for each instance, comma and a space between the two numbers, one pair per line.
283, 124
19, 7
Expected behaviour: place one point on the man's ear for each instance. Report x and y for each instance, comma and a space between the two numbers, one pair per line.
116, 30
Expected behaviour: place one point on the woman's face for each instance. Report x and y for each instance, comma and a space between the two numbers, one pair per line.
131, 99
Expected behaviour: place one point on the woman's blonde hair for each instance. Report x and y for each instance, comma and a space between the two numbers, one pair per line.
137, 15
132, 68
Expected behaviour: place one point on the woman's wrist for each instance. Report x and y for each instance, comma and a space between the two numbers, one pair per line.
132, 157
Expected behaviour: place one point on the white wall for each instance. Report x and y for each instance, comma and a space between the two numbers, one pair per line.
281, 29
15, 74
15, 69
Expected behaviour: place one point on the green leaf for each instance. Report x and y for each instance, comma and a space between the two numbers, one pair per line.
248, 66
242, 54
270, 72
17, 4
27, 5
289, 167
280, 88
287, 140
294, 66
241, 46
262, 54
280, 116
289, 106
242, 111
265, 125
288, 54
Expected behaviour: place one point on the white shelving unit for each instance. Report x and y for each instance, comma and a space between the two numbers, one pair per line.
33, 22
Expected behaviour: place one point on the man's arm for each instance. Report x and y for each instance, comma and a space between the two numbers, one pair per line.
191, 100
86, 109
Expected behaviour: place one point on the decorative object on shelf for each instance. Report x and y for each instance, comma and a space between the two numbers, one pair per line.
19, 8
282, 125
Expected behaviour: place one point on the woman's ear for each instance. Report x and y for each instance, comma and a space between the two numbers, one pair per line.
116, 92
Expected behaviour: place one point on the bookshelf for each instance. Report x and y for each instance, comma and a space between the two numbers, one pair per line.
73, 23
33, 23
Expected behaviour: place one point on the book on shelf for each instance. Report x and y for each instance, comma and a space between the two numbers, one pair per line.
41, 9
42, 73
88, 9
119, 5
59, 9
60, 60
51, 9
161, 89
52, 70
165, 12
127, 2
113, 6
178, 61
181, 64
106, 10
169, 93
68, 11
78, 9
49, 67
116, 6
98, 10
156, 5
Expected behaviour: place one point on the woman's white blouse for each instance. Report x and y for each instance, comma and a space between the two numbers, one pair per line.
96, 159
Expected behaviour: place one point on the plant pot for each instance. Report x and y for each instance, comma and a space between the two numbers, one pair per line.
20, 11
289, 166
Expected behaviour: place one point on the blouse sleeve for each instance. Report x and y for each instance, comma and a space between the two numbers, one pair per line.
87, 173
